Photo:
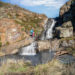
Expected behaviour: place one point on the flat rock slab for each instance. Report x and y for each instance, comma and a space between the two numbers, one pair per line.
14, 48
48, 45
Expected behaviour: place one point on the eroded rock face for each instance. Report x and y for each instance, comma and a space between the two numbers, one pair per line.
15, 24
66, 30
69, 43
67, 24
48, 45
67, 17
10, 32
23, 17
67, 12
44, 45
14, 48
65, 8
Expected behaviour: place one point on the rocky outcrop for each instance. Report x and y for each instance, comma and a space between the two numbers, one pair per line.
15, 26
14, 48
67, 28
44, 45
68, 14
11, 32
67, 11
24, 21
64, 32
68, 43
65, 8
48, 45
23, 17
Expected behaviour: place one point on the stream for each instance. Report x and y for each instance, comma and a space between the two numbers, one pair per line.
28, 53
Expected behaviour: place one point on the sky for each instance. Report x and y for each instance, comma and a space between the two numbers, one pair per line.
48, 7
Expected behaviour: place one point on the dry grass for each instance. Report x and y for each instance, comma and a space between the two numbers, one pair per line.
52, 68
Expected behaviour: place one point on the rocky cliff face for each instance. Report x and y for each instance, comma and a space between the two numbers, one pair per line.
22, 16
67, 16
66, 27
10, 32
16, 22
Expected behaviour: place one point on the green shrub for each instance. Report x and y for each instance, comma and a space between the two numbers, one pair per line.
0, 44
23, 29
7, 43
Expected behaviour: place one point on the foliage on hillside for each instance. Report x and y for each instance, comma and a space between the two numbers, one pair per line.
23, 17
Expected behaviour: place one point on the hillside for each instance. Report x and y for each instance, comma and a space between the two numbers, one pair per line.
16, 23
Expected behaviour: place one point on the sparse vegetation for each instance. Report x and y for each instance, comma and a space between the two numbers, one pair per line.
52, 68
23, 17
7, 43
31, 24
0, 44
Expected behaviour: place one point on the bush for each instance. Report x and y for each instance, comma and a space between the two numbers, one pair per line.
0, 44
7, 43
23, 29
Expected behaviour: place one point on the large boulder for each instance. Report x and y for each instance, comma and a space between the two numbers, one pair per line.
44, 45
66, 30
48, 45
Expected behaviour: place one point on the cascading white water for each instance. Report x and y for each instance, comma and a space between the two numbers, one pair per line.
48, 30
29, 50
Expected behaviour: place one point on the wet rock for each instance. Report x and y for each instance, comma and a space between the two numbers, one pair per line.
43, 45
48, 45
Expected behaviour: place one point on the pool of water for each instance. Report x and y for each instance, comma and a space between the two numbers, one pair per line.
39, 58
66, 59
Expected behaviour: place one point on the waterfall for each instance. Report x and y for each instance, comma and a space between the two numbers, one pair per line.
47, 34
48, 30
29, 50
